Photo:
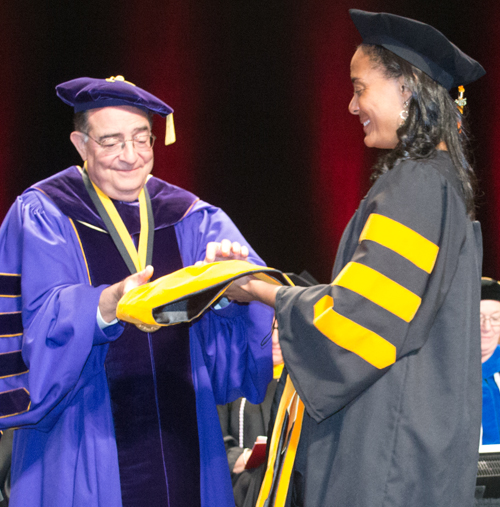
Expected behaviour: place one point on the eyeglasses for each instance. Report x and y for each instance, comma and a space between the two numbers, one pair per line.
493, 319
115, 145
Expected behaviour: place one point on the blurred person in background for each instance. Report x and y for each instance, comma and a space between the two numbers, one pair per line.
490, 358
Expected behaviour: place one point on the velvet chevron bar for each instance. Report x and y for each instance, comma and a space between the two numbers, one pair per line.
10, 285
11, 363
11, 324
14, 402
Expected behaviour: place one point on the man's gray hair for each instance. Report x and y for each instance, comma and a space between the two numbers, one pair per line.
81, 121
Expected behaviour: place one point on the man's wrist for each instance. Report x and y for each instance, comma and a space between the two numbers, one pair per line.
102, 323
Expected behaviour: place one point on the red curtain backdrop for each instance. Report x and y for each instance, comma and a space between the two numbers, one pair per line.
260, 92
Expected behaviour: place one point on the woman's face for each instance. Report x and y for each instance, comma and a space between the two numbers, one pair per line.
490, 327
378, 101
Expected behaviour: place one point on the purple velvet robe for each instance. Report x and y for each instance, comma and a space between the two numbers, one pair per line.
65, 452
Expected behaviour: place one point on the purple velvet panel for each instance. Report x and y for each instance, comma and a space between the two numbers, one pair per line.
68, 191
149, 375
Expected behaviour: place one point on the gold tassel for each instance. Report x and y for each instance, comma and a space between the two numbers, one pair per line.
170, 130
461, 101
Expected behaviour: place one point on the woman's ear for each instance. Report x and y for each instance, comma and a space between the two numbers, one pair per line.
405, 91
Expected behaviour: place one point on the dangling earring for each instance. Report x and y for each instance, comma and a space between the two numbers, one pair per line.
404, 112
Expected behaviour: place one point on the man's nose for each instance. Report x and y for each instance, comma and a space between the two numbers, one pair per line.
128, 153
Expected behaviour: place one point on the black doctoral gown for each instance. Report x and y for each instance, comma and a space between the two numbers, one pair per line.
387, 358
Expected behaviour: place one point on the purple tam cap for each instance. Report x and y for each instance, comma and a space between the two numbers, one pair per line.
419, 44
88, 93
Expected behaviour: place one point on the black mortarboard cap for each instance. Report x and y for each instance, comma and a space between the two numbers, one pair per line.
419, 44
490, 289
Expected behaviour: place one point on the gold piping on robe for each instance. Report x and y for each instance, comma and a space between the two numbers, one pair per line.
81, 248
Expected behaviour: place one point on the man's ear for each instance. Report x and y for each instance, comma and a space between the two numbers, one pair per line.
78, 140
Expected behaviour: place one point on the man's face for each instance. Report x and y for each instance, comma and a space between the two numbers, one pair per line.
121, 176
490, 327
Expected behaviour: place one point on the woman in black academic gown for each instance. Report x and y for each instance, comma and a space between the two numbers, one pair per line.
386, 359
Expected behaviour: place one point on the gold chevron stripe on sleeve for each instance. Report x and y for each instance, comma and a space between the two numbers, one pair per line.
351, 336
401, 239
379, 289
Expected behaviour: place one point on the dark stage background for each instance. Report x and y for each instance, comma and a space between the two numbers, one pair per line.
260, 91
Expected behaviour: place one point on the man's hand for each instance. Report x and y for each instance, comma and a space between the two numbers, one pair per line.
224, 251
112, 294
241, 462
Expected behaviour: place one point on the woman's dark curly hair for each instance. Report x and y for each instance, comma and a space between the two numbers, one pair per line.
433, 117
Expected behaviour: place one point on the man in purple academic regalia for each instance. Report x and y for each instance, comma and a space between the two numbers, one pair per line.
109, 414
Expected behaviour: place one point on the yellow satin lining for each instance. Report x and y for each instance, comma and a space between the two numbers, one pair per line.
291, 403
138, 257
280, 416
277, 369
297, 415
137, 305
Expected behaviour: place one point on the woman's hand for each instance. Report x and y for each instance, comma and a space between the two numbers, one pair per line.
249, 288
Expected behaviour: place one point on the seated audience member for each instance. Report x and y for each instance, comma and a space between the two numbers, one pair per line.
5, 461
490, 357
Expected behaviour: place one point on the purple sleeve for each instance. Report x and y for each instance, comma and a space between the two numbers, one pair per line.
62, 345
236, 340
